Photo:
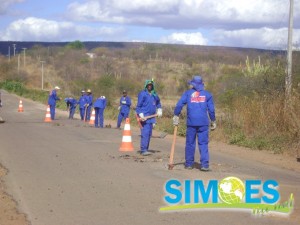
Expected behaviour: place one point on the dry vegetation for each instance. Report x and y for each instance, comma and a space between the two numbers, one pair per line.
248, 84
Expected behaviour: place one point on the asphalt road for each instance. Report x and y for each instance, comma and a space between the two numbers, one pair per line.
69, 173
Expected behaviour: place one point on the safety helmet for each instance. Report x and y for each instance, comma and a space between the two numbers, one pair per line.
82, 91
88, 91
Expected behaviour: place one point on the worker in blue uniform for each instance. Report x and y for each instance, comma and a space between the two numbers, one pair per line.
71, 106
148, 104
200, 115
89, 104
82, 102
124, 108
99, 106
52, 101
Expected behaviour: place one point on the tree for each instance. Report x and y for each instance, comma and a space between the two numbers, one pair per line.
75, 45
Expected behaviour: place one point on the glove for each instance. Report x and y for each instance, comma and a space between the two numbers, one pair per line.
119, 108
213, 125
175, 120
142, 117
153, 125
159, 112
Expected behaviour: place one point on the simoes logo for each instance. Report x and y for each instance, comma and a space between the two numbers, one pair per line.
260, 197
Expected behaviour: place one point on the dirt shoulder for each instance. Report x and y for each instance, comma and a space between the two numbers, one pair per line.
9, 214
283, 161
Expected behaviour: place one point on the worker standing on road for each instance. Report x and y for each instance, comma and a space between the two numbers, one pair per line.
71, 106
52, 101
82, 103
89, 104
124, 108
99, 106
200, 109
148, 104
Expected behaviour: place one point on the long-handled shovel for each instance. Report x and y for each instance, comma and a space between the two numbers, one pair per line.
171, 165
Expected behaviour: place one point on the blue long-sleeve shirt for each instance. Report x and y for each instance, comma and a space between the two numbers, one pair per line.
125, 103
82, 101
53, 98
147, 104
100, 103
89, 99
72, 102
200, 107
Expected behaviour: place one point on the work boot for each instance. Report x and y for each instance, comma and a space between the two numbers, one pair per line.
204, 169
145, 153
188, 167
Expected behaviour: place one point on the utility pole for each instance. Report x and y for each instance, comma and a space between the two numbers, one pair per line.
14, 49
24, 55
9, 53
288, 78
42, 74
18, 64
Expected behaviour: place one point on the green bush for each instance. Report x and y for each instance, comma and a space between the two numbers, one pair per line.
13, 86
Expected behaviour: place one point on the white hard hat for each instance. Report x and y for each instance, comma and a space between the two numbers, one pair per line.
57, 88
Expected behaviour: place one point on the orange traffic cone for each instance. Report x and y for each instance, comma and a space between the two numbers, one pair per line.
92, 119
126, 145
20, 107
48, 116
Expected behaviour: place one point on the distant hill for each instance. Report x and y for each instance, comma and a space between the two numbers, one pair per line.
4, 45
89, 45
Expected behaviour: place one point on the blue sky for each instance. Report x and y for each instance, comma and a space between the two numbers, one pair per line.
234, 23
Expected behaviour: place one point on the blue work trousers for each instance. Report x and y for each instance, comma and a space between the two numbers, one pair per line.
99, 119
88, 113
146, 133
202, 134
121, 116
82, 112
52, 111
72, 112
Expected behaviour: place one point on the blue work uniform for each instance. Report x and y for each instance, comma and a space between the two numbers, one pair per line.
125, 103
147, 104
52, 102
82, 102
200, 108
71, 103
89, 102
99, 106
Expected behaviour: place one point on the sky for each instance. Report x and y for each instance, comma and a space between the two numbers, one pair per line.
259, 24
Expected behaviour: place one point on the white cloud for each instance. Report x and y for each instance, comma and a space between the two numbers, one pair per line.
264, 38
245, 23
145, 6
185, 14
4, 4
36, 29
185, 38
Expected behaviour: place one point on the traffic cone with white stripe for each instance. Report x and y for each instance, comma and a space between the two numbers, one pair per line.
92, 119
20, 109
48, 116
126, 145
